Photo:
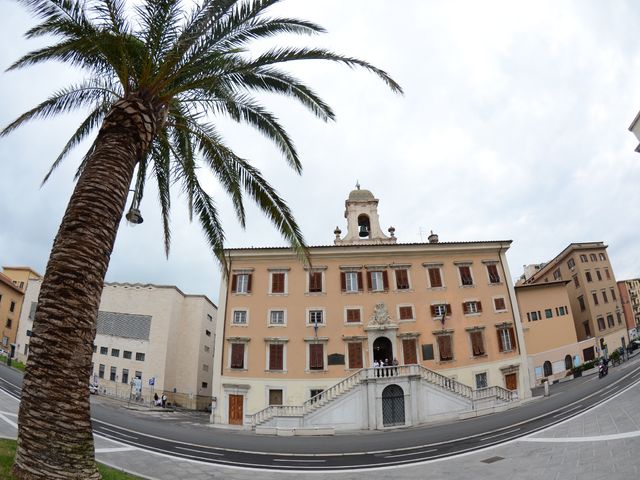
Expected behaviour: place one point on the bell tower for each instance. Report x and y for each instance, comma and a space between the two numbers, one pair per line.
363, 224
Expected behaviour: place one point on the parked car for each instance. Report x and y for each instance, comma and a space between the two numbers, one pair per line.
633, 345
93, 388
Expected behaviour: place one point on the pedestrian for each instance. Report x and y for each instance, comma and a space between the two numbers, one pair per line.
156, 400
164, 400
395, 366
376, 365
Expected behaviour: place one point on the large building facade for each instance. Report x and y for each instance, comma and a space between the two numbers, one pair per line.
150, 339
289, 331
630, 299
13, 284
593, 294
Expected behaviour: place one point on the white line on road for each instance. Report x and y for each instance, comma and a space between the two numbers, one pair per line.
567, 411
199, 451
293, 460
115, 449
117, 432
500, 434
10, 422
414, 453
600, 438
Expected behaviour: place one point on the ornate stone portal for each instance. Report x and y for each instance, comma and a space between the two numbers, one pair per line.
381, 325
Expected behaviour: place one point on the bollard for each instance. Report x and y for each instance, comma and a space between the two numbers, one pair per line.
546, 388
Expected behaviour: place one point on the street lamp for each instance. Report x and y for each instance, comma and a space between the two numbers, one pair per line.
133, 216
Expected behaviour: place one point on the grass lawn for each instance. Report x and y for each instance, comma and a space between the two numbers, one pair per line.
8, 450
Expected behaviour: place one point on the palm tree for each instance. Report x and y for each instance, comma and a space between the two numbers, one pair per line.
155, 84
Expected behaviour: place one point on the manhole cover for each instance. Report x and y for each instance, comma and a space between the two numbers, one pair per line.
492, 459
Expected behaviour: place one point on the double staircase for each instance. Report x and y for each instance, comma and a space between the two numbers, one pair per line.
382, 374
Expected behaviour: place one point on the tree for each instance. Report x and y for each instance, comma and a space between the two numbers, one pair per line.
153, 88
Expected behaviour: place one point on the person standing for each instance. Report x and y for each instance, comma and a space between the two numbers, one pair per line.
164, 400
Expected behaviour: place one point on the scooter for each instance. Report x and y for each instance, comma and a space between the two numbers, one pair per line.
603, 369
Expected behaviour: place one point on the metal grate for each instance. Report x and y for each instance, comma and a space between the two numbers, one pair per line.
392, 406
492, 459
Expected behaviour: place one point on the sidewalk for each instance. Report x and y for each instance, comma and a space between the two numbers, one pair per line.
603, 443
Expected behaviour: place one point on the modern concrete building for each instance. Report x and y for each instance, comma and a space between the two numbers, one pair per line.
549, 331
305, 336
630, 299
153, 333
593, 294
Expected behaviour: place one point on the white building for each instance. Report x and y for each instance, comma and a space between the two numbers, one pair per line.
153, 332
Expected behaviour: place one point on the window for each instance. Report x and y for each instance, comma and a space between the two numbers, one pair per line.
276, 356
315, 282
557, 275
613, 294
237, 355
275, 396
477, 343
604, 296
316, 356
355, 354
600, 323
378, 281
595, 297
607, 274
276, 317
619, 315
113, 374
207, 333
576, 282
561, 311
138, 374
239, 317
499, 304
593, 257
583, 307
12, 306
241, 283
139, 356
571, 264
409, 351
588, 275
492, 270
353, 315
125, 375
101, 368
534, 316
402, 279
9, 322
95, 347
126, 354
316, 317
599, 275
435, 277
104, 350
481, 380
115, 352
466, 279
471, 307
204, 385
278, 282
583, 258
506, 339
440, 310
209, 317
610, 322
587, 329
602, 256
405, 312
548, 313
351, 282
445, 348
315, 392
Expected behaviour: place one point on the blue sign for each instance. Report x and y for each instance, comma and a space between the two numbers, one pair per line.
152, 381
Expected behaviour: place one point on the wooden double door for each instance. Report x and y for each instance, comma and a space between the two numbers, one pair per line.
236, 413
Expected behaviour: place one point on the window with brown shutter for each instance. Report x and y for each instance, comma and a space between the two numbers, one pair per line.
275, 397
445, 348
316, 356
406, 312
402, 279
241, 283
435, 279
477, 345
353, 315
315, 282
409, 351
276, 356
234, 282
237, 355
355, 354
512, 338
499, 304
277, 282
465, 275
494, 276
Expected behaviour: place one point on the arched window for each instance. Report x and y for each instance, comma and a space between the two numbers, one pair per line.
548, 371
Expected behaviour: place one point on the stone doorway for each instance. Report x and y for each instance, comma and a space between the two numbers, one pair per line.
383, 350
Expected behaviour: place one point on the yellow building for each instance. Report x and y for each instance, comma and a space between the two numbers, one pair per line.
549, 331
288, 332
13, 280
593, 294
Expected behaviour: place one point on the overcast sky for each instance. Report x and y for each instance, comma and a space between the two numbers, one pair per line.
513, 126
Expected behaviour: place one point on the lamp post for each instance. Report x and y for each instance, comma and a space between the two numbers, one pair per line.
133, 216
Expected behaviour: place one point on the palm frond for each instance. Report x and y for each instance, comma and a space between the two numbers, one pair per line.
160, 157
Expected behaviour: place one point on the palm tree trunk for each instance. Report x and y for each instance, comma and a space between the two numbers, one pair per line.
55, 439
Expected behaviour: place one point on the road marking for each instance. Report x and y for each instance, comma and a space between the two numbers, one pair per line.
115, 449
199, 451
567, 411
414, 453
10, 422
499, 434
118, 433
600, 438
294, 460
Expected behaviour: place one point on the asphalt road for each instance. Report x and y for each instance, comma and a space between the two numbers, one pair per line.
189, 435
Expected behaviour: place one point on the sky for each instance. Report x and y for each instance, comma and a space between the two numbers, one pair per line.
513, 126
